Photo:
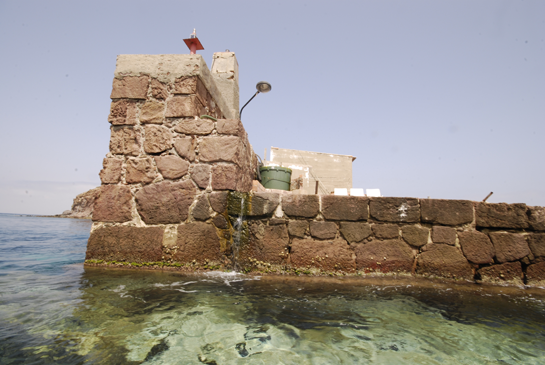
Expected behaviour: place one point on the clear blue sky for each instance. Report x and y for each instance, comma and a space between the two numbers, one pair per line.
444, 99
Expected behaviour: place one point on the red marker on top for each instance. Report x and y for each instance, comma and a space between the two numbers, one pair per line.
193, 43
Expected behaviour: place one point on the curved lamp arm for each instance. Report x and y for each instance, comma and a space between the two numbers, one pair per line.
262, 87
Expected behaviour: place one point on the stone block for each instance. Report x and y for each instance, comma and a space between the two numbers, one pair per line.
446, 212
220, 149
246, 176
195, 126
202, 93
345, 208
185, 146
298, 228
125, 141
443, 261
415, 236
232, 127
171, 166
130, 87
113, 204
477, 247
123, 243
354, 231
201, 210
152, 112
123, 112
384, 256
386, 231
323, 230
111, 171
263, 204
218, 201
277, 221
305, 206
537, 218
270, 247
536, 242
182, 106
185, 85
394, 210
535, 274
165, 202
220, 222
224, 177
158, 89
325, 255
509, 246
442, 234
140, 170
501, 215
197, 241
201, 175
498, 274
158, 139
238, 204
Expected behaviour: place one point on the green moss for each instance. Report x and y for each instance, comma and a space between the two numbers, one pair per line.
234, 203
138, 264
94, 261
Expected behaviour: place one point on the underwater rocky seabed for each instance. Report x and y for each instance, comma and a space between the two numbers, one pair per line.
53, 310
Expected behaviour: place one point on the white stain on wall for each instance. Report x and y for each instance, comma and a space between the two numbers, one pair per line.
403, 210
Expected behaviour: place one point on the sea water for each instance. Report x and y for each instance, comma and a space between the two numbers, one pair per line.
55, 311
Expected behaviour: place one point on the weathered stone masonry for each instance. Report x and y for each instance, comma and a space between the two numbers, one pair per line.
312, 234
170, 147
174, 185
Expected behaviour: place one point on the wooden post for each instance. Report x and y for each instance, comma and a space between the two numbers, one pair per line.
317, 182
488, 196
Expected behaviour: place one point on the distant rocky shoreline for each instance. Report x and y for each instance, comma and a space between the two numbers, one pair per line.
82, 207
54, 216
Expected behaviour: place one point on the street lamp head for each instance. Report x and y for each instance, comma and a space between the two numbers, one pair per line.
263, 87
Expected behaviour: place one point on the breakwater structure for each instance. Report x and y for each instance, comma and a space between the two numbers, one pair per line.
177, 194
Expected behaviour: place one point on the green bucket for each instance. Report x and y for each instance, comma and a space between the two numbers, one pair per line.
274, 177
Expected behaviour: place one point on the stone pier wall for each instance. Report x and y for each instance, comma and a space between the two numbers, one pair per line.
176, 194
338, 235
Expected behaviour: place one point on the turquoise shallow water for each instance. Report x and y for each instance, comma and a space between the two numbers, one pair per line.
53, 311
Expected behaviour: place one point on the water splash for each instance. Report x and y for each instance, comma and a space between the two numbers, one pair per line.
238, 232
